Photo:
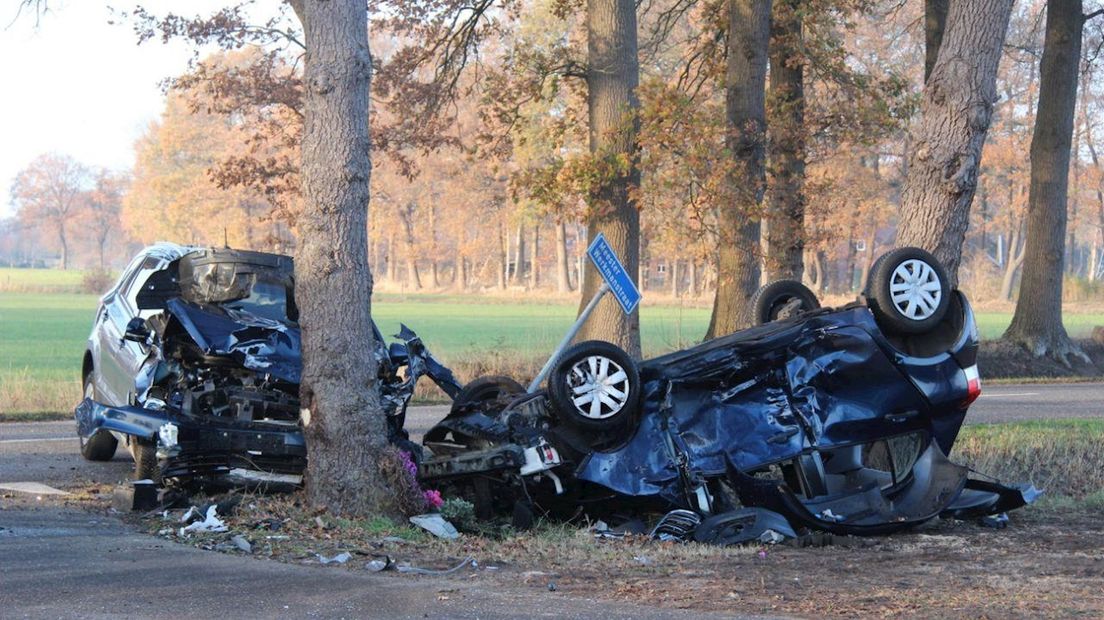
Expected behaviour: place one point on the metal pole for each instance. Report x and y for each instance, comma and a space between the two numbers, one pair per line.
568, 337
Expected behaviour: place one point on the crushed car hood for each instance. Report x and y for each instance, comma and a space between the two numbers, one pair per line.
259, 344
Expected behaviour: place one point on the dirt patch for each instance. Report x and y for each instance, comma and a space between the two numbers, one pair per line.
1047, 563
998, 359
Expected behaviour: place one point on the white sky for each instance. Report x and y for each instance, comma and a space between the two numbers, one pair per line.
79, 86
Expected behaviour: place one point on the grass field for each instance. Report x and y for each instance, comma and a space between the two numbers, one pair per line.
42, 334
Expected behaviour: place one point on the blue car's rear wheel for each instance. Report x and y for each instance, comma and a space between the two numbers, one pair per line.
908, 291
595, 385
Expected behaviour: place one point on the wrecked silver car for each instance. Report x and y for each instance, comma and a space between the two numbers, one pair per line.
193, 364
838, 420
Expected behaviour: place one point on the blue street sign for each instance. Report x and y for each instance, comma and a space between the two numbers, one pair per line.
619, 281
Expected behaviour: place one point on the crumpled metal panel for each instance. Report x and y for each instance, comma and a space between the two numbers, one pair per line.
765, 395
259, 344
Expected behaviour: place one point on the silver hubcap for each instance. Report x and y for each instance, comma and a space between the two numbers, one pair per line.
599, 387
915, 289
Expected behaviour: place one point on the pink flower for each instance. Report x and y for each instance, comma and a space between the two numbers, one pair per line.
434, 499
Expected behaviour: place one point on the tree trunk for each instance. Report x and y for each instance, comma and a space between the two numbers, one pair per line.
935, 22
868, 259
534, 251
745, 122
519, 255
503, 257
946, 145
563, 278
674, 264
785, 226
692, 287
1037, 322
1013, 263
344, 426
64, 240
613, 73
392, 262
461, 272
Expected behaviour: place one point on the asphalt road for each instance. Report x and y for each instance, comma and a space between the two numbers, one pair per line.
58, 562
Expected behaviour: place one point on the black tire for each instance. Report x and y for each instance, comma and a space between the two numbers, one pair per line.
485, 389
567, 377
781, 299
146, 466
922, 288
101, 445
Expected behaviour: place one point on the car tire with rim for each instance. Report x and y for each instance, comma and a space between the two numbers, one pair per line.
908, 291
102, 444
146, 466
595, 385
782, 299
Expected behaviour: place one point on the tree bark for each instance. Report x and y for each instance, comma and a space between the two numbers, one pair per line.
519, 256
785, 226
745, 123
534, 251
613, 73
1037, 322
563, 277
1013, 263
674, 268
343, 422
64, 240
503, 257
946, 145
935, 22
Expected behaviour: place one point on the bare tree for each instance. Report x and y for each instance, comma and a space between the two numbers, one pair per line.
745, 113
945, 152
343, 422
1037, 322
48, 193
101, 211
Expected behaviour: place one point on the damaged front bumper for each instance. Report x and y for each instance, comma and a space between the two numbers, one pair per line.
200, 447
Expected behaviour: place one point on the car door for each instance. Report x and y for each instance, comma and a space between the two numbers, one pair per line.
121, 359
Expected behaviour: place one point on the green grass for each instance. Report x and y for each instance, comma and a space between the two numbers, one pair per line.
40, 280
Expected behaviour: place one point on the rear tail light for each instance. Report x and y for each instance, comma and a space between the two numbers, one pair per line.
973, 386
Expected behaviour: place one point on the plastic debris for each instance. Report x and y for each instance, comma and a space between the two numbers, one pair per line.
997, 522
381, 563
340, 558
241, 543
771, 537
209, 524
676, 525
414, 570
436, 524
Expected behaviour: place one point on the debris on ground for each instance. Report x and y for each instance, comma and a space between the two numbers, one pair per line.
436, 524
340, 558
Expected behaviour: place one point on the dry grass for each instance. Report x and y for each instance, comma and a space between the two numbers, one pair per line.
1062, 457
24, 396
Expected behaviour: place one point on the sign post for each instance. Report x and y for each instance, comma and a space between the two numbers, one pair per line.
615, 279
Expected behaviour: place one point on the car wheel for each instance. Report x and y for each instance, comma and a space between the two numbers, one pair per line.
782, 299
485, 389
595, 385
146, 466
102, 444
908, 291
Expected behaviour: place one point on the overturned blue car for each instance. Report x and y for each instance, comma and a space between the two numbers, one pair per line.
838, 420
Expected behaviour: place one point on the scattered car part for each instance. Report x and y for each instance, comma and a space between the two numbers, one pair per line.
781, 299
908, 291
595, 385
677, 525
435, 524
742, 526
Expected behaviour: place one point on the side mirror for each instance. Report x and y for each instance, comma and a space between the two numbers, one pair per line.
137, 330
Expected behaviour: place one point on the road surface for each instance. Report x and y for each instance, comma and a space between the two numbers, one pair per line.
60, 562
